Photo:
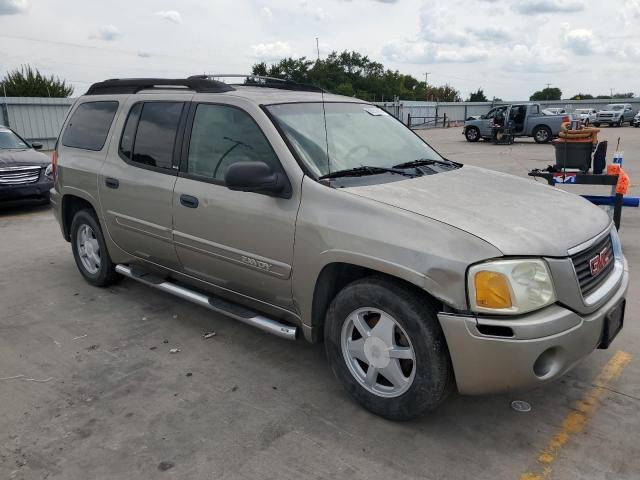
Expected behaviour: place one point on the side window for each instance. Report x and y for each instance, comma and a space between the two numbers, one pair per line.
154, 138
222, 136
534, 110
492, 113
89, 125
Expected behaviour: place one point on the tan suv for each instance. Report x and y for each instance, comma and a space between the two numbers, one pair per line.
291, 209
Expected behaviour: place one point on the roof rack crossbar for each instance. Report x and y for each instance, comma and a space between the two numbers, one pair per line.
263, 81
134, 85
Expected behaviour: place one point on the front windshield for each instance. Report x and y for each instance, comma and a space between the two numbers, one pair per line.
356, 134
10, 141
614, 107
582, 110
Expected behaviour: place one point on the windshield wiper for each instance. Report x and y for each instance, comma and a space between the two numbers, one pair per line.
421, 162
362, 171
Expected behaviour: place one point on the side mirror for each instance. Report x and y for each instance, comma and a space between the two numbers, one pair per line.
36, 145
257, 177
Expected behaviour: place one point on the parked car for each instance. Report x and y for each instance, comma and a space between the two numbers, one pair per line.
586, 115
527, 119
615, 114
24, 172
554, 111
636, 120
291, 209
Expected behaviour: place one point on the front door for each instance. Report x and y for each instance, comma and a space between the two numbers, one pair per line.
240, 241
136, 182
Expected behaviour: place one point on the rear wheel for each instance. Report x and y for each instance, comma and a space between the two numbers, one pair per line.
596, 124
90, 250
542, 134
472, 134
385, 345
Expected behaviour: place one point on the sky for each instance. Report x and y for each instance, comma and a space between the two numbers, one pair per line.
509, 48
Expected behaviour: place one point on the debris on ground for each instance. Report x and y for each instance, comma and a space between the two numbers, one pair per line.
234, 388
79, 337
93, 347
165, 465
520, 406
27, 379
165, 341
174, 350
175, 315
209, 335
144, 318
189, 374
152, 348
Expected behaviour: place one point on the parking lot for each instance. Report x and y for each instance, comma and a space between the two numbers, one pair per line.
88, 388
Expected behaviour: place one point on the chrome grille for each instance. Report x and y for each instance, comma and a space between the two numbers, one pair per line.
581, 263
19, 175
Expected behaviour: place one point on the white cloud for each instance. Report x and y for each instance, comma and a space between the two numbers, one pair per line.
438, 26
108, 33
580, 41
535, 7
170, 15
10, 7
266, 13
537, 58
491, 34
630, 12
271, 51
404, 51
318, 13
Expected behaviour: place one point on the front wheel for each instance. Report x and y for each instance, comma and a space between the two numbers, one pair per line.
596, 124
90, 250
385, 345
542, 134
472, 134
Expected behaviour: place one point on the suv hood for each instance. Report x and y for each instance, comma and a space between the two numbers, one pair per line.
518, 216
615, 112
21, 158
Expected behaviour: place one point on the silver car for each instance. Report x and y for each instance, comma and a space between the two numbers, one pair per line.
615, 114
297, 211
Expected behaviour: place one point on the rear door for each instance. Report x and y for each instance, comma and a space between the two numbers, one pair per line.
240, 241
136, 183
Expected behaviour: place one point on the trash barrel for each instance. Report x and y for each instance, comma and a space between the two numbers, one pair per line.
572, 153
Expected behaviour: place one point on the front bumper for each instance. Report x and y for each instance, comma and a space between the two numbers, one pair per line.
486, 364
16, 192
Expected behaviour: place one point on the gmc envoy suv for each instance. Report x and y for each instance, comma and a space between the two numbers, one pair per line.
294, 210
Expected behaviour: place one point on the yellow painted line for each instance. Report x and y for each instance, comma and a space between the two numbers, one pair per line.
575, 420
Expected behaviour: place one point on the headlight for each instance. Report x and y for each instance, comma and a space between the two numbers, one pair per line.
48, 172
510, 286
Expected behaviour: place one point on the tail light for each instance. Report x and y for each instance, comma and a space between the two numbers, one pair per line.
565, 119
54, 163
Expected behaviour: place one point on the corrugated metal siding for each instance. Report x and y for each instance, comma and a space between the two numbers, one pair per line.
36, 119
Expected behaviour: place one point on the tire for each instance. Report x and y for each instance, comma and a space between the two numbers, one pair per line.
596, 124
472, 134
542, 134
422, 382
92, 258
618, 124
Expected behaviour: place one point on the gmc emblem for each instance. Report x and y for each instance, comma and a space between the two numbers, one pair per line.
601, 260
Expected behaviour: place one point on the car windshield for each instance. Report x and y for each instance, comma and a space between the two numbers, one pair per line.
10, 141
614, 107
356, 134
582, 110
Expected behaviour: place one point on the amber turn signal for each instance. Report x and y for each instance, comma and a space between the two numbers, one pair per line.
492, 290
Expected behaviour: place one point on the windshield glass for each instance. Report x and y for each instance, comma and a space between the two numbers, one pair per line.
582, 110
10, 141
614, 107
356, 134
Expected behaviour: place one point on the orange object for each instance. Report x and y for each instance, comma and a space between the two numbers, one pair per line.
492, 290
623, 179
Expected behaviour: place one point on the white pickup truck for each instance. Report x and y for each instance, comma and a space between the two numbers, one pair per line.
527, 119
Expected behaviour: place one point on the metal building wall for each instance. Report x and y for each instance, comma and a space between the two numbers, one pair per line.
35, 119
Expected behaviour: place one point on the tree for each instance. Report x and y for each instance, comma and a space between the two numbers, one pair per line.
623, 95
604, 97
354, 74
547, 94
27, 81
477, 96
582, 96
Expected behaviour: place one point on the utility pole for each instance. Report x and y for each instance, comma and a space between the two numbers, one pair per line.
547, 91
318, 48
611, 92
426, 78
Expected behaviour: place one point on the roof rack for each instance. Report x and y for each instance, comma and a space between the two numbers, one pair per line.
262, 81
134, 85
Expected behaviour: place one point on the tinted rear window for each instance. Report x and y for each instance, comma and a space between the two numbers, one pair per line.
89, 125
156, 134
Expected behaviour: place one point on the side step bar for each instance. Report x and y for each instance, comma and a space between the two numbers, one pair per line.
216, 304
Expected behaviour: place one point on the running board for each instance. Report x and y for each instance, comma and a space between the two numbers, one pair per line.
217, 304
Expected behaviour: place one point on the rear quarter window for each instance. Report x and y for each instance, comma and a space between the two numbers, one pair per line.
89, 125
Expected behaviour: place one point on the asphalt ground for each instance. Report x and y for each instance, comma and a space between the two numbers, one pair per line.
89, 390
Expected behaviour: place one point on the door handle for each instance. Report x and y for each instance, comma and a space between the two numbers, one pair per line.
189, 201
112, 182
